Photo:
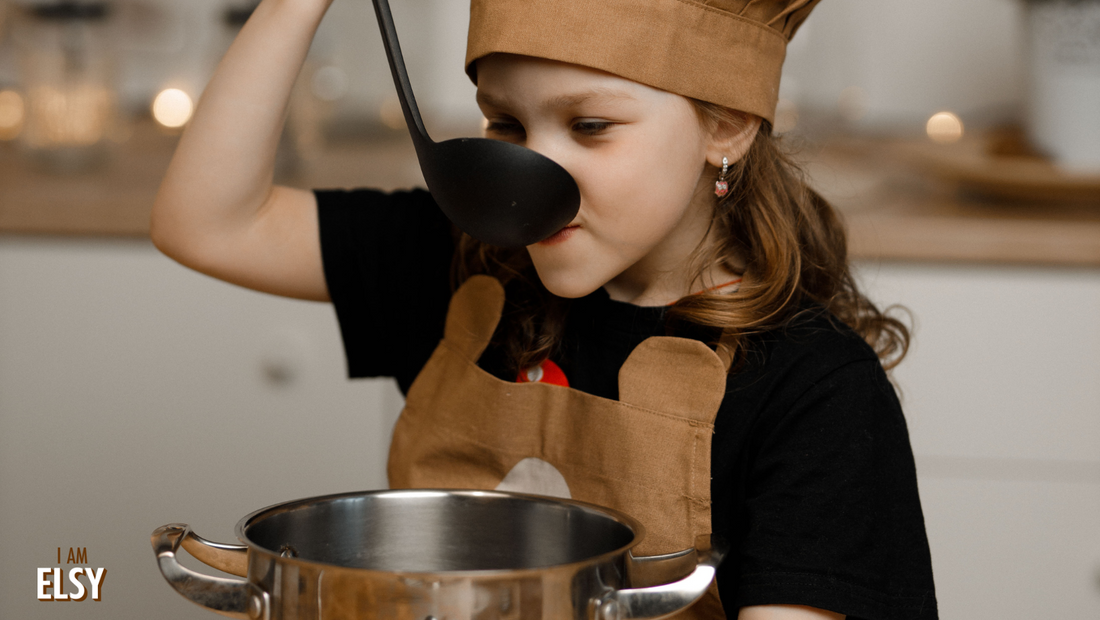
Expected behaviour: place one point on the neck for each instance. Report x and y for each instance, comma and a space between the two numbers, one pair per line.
668, 288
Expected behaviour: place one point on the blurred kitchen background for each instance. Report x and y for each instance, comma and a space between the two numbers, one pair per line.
959, 139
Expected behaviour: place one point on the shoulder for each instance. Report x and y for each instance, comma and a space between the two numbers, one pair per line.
815, 336
387, 259
368, 226
348, 211
806, 387
359, 197
812, 347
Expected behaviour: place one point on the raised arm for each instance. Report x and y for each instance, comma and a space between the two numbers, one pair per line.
218, 210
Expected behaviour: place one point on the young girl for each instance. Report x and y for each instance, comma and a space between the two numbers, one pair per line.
691, 349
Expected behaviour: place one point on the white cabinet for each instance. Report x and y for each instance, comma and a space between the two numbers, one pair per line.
135, 393
1011, 548
1001, 390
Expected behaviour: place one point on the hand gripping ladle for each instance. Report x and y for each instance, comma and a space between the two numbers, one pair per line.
500, 193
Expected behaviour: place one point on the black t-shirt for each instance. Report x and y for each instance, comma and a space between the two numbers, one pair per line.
813, 481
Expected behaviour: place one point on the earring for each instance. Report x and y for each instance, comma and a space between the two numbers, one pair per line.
721, 187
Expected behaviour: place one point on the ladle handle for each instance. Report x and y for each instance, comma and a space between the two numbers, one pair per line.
400, 75
234, 598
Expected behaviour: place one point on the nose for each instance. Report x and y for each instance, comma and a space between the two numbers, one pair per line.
552, 147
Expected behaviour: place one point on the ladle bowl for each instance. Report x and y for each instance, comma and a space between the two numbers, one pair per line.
497, 192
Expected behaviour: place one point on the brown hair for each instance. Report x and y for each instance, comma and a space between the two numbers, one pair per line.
784, 238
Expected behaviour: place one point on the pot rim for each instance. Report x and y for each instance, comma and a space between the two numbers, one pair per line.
631, 523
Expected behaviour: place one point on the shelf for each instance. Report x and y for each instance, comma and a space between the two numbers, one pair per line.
894, 209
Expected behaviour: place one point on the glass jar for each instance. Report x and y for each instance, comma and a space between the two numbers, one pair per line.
67, 70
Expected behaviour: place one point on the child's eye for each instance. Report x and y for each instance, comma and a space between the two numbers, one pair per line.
591, 128
504, 128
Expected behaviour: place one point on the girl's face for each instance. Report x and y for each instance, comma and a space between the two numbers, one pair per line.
638, 155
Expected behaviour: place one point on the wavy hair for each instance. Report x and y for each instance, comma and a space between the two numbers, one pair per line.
785, 240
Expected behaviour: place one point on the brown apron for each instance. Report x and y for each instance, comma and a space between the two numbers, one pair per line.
647, 454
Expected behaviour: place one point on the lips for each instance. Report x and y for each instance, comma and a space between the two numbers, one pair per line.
560, 236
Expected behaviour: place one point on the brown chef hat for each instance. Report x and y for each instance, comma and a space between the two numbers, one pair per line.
728, 52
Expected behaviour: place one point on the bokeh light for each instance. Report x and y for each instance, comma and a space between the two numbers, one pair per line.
172, 108
69, 115
945, 128
12, 114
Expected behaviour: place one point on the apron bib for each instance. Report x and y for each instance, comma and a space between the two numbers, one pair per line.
646, 454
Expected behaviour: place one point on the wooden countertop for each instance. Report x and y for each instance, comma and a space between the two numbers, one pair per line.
895, 208
114, 197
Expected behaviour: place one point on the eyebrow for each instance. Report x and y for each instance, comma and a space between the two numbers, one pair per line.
564, 101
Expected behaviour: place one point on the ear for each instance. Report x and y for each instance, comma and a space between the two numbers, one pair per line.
732, 138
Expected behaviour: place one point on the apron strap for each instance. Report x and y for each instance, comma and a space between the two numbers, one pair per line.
475, 310
678, 376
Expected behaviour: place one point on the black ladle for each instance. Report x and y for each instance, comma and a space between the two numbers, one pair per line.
498, 192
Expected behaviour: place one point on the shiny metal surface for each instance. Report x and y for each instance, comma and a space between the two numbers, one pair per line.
451, 555
229, 597
232, 559
433, 531
659, 601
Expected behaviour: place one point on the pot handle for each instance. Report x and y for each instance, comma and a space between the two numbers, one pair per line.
229, 597
664, 600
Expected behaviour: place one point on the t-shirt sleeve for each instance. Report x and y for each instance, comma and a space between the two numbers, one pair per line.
387, 259
831, 514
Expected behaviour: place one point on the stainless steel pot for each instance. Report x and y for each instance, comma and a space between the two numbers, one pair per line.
445, 555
